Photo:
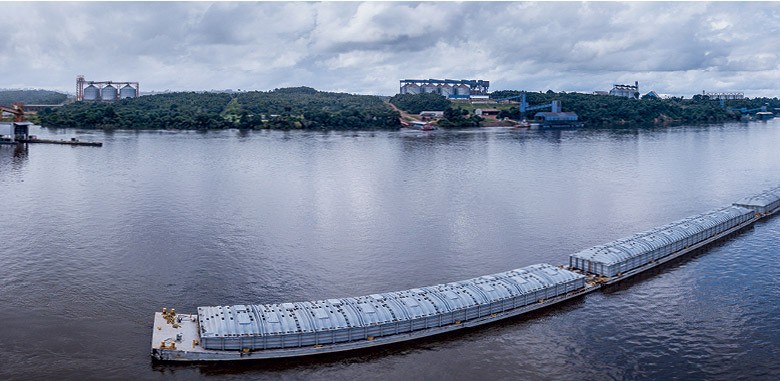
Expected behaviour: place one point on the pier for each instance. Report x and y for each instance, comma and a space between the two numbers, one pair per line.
20, 134
71, 142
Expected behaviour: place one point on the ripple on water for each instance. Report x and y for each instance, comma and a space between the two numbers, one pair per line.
99, 239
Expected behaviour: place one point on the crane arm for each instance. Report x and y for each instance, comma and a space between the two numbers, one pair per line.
538, 107
17, 110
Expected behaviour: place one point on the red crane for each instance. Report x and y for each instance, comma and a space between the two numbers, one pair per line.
17, 110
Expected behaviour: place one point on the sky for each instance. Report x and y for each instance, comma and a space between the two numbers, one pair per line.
679, 48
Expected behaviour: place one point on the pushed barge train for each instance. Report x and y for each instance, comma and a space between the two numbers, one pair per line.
267, 331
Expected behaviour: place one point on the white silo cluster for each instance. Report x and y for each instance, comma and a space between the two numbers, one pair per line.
108, 91
450, 88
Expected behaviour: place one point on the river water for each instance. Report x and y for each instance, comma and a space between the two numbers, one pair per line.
95, 240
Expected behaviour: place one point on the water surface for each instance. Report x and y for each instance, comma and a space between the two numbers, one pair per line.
95, 240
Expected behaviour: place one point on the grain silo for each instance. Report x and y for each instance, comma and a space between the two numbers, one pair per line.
446, 90
91, 93
127, 91
462, 90
429, 88
410, 88
108, 93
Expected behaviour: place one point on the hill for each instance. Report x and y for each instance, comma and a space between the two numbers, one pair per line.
8, 97
287, 108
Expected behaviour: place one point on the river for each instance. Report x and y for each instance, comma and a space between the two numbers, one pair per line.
95, 240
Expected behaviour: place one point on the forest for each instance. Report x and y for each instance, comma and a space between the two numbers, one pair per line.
41, 97
307, 108
286, 108
594, 110
601, 110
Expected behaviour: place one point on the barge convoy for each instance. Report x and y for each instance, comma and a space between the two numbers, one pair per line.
267, 331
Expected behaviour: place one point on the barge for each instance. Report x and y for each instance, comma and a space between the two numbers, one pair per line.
268, 331
305, 328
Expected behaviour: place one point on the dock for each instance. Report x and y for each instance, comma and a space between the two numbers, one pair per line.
71, 142
20, 134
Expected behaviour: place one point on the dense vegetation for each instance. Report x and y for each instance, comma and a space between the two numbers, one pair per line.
594, 110
289, 108
41, 97
457, 117
307, 108
417, 103
597, 110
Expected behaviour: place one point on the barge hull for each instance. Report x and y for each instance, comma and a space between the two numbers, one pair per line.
188, 348
680, 253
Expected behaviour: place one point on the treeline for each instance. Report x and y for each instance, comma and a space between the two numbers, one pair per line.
45, 97
417, 103
304, 107
603, 110
289, 108
163, 111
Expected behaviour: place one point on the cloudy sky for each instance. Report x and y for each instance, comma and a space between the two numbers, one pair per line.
367, 47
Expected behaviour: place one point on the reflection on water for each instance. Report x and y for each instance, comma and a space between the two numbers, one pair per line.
97, 239
12, 158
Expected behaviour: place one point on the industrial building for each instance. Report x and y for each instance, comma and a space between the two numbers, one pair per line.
450, 88
626, 91
486, 112
107, 91
723, 96
555, 118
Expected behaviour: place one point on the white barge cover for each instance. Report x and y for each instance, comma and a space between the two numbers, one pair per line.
764, 202
616, 257
290, 325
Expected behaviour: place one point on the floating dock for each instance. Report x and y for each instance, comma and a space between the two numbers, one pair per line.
71, 142
21, 135
268, 331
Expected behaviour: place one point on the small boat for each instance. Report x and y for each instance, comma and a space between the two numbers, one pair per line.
424, 126
523, 124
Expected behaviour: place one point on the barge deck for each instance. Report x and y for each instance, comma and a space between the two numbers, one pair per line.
180, 337
180, 341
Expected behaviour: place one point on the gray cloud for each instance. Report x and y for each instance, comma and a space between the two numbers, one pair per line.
676, 48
